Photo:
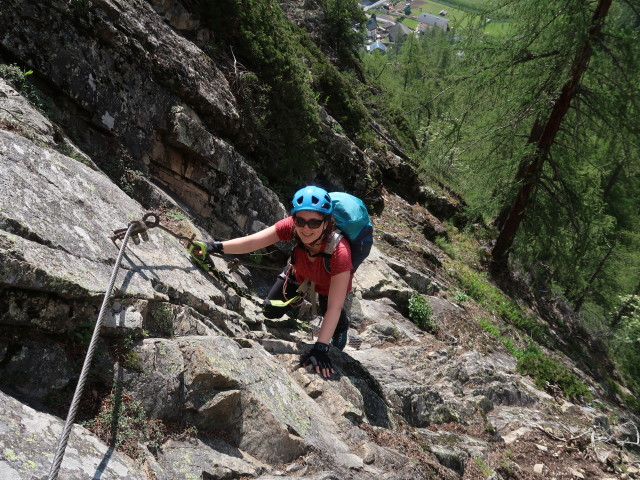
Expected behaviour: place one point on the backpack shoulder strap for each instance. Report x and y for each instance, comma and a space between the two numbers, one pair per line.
336, 236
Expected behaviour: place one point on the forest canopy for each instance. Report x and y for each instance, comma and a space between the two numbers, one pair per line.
537, 126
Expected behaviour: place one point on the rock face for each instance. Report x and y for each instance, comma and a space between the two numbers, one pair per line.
192, 348
29, 440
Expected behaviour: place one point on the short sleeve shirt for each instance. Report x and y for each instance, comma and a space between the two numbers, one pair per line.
314, 270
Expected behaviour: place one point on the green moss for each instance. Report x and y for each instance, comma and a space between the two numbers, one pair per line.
132, 361
9, 454
162, 318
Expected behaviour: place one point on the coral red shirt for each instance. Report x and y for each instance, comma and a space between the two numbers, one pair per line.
314, 270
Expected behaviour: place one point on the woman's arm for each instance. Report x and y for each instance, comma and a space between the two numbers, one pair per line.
252, 242
337, 294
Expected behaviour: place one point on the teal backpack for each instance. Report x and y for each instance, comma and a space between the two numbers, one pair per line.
353, 222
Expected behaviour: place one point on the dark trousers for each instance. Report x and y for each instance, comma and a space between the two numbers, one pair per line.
276, 293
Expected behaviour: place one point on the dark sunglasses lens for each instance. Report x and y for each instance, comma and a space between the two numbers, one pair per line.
313, 223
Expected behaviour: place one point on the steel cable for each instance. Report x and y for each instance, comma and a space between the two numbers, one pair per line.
64, 438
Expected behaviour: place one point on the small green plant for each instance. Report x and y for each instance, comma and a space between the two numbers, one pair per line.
487, 325
131, 338
177, 214
128, 179
17, 78
83, 332
122, 423
336, 127
484, 468
460, 297
443, 244
420, 312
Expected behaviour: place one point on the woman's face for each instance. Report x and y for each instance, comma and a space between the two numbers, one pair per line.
309, 233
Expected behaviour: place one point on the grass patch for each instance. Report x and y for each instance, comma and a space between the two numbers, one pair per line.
478, 287
484, 468
463, 250
434, 8
177, 215
543, 370
546, 371
497, 27
628, 398
409, 22
461, 13
459, 245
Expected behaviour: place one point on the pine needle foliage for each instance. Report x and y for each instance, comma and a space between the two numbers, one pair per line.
293, 78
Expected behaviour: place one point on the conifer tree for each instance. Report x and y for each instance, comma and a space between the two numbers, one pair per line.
544, 134
548, 121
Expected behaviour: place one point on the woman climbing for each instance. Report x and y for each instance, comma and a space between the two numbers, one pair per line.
311, 225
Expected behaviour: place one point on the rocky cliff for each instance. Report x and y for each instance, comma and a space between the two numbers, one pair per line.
185, 356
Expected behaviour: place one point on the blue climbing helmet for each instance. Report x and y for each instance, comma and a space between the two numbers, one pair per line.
312, 198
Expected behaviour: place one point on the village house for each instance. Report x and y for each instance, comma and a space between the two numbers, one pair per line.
398, 31
372, 27
378, 45
432, 21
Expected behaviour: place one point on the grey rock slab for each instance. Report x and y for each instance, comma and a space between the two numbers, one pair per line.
37, 368
54, 233
28, 442
217, 385
385, 323
211, 459
376, 279
270, 400
16, 111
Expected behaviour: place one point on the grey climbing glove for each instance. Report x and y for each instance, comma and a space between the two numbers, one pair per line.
319, 359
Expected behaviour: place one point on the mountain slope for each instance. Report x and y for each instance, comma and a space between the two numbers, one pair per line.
187, 366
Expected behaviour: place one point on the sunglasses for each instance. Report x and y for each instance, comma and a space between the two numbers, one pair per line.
312, 223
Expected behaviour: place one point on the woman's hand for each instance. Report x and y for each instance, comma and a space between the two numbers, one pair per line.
319, 359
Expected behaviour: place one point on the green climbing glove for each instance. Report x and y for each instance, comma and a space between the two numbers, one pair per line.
200, 250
